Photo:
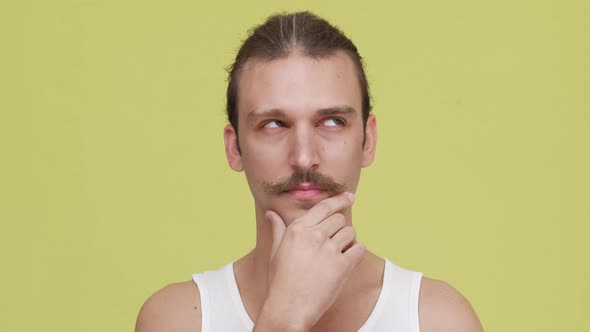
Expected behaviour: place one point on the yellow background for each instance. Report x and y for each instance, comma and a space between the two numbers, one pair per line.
114, 182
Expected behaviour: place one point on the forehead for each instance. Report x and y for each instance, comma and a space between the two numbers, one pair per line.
298, 83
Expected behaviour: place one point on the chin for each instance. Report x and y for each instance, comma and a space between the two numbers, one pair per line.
293, 210
290, 212
289, 215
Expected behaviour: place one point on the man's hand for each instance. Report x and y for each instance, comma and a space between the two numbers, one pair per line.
310, 262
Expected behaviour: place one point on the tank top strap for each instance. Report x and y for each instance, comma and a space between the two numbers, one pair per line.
400, 309
219, 306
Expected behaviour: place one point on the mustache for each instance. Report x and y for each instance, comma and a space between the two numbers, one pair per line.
323, 181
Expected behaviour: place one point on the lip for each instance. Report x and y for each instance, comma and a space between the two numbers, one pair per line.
306, 191
307, 186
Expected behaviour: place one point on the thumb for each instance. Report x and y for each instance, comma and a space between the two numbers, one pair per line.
278, 229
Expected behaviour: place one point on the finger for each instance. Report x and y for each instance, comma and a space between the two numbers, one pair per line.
278, 229
331, 225
343, 238
326, 208
355, 254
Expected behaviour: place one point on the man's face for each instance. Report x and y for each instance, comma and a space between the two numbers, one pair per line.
300, 131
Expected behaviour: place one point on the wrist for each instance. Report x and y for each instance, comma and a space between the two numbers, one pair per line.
273, 318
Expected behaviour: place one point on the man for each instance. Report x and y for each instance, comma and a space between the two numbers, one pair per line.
301, 129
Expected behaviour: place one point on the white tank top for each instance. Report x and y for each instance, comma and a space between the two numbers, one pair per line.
396, 309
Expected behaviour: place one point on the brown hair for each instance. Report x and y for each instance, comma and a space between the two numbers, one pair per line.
282, 33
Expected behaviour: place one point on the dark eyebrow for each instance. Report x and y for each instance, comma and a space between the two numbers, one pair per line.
271, 113
337, 110
280, 114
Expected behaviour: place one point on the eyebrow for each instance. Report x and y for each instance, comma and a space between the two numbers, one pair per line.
337, 110
279, 113
271, 113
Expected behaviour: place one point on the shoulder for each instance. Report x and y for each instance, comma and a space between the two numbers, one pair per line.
176, 307
442, 308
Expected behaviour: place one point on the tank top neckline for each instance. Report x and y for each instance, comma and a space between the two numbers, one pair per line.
367, 325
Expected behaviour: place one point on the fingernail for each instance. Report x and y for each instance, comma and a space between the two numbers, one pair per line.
350, 196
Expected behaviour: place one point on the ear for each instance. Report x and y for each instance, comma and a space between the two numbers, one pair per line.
234, 159
370, 141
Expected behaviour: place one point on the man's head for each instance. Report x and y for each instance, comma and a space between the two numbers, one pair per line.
280, 36
298, 104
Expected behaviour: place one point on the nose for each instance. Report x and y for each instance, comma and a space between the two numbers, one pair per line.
303, 149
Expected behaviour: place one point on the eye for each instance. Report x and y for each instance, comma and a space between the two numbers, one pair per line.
273, 124
333, 122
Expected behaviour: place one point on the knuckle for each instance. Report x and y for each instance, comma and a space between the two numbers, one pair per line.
296, 229
325, 233
317, 236
349, 231
344, 200
332, 246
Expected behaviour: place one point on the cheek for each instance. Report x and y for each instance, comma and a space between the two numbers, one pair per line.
343, 161
262, 160
347, 152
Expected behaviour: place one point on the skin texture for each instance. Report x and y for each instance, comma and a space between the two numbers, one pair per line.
284, 127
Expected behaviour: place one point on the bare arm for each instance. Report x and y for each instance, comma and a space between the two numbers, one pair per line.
443, 309
174, 308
